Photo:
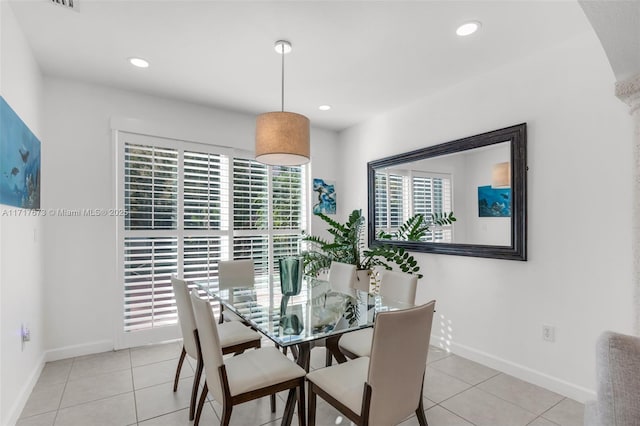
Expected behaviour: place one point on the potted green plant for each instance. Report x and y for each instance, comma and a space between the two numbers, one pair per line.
348, 245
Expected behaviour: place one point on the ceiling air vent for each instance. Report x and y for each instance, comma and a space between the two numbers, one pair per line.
69, 4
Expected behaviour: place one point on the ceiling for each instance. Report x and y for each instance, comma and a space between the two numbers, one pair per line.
361, 57
617, 24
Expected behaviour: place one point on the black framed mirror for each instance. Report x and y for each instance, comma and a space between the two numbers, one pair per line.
481, 178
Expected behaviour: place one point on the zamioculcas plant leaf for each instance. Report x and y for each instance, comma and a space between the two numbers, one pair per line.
348, 245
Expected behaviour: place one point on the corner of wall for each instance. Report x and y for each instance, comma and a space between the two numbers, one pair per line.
21, 255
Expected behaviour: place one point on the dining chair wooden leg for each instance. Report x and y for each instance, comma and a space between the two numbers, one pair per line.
226, 414
311, 406
183, 355
422, 418
302, 417
272, 397
289, 407
284, 349
221, 317
203, 398
334, 349
304, 356
194, 390
328, 358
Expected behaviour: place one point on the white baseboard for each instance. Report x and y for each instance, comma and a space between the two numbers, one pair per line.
78, 350
25, 392
554, 384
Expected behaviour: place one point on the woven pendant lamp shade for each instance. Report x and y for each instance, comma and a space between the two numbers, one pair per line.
501, 175
282, 138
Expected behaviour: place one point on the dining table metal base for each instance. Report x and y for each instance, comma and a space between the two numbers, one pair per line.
303, 359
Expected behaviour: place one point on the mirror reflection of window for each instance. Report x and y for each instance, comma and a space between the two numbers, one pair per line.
432, 193
401, 194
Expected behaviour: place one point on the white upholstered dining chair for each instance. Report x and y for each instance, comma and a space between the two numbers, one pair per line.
386, 388
396, 286
245, 377
234, 338
342, 277
234, 274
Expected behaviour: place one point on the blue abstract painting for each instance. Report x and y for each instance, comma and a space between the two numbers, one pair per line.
19, 161
494, 202
326, 197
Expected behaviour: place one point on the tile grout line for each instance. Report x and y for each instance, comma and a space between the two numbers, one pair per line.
73, 361
492, 394
552, 407
133, 387
454, 413
497, 396
544, 418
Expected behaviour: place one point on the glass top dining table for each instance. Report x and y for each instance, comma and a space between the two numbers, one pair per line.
316, 315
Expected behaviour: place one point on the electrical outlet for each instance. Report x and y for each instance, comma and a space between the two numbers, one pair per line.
549, 333
25, 334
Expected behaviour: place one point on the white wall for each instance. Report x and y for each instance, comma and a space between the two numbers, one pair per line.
578, 276
21, 256
82, 284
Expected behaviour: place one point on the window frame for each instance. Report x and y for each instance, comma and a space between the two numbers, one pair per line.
123, 137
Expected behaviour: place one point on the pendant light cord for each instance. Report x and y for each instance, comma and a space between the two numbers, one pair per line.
282, 93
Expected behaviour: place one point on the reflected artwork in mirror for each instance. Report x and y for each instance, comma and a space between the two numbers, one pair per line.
481, 178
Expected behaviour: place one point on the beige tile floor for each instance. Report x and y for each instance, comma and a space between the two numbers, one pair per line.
134, 387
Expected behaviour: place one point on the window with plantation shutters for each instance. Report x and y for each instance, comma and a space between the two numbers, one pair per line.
382, 213
190, 206
402, 194
392, 201
268, 206
398, 203
150, 241
206, 191
250, 194
431, 195
151, 187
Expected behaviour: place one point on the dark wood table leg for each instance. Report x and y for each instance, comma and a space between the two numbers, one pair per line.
303, 360
332, 346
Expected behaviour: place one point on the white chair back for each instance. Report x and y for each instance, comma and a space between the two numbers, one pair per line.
209, 344
236, 273
342, 277
185, 316
399, 286
398, 361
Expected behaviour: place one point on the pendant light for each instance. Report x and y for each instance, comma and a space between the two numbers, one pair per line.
501, 175
282, 138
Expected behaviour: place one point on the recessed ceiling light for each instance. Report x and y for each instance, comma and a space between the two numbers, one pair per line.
324, 107
282, 45
139, 62
468, 28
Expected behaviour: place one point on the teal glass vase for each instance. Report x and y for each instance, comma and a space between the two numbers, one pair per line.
290, 275
290, 285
